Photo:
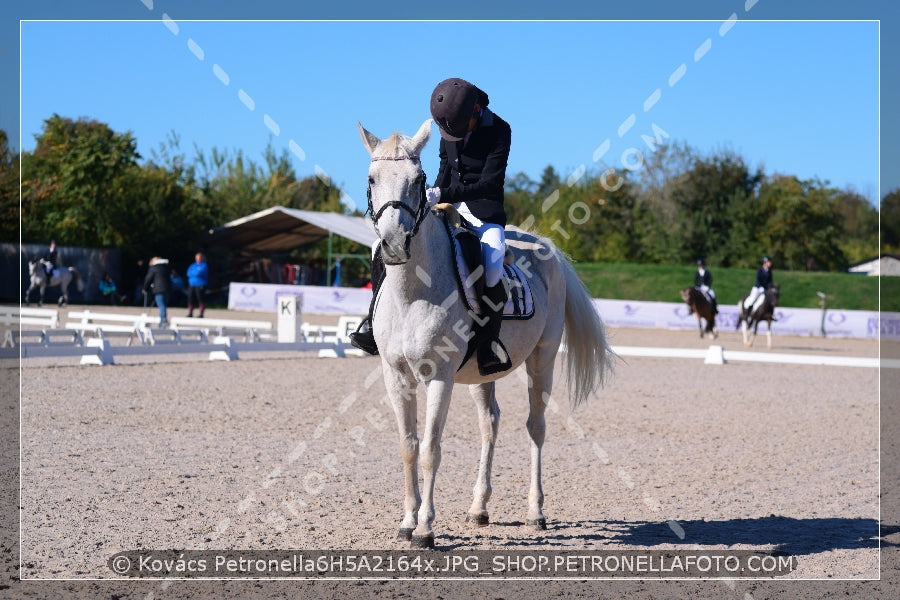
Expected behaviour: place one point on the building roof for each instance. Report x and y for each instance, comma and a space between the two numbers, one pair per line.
886, 264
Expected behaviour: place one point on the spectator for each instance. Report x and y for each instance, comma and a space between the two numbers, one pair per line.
198, 279
108, 289
140, 273
159, 282
177, 288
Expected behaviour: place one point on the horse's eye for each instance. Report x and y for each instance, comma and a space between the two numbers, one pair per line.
371, 180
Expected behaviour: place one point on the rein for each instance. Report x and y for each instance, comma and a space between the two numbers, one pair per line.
418, 214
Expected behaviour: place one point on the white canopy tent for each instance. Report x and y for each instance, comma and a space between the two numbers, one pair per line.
280, 229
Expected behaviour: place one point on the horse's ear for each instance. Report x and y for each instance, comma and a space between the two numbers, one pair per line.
369, 140
421, 138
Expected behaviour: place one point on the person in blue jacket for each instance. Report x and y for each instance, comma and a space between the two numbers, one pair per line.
198, 279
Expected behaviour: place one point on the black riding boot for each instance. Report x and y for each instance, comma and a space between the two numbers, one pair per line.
363, 338
492, 308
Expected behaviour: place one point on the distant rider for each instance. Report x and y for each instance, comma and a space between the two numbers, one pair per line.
49, 259
763, 282
703, 282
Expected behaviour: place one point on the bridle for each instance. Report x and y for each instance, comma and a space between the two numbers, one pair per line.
418, 214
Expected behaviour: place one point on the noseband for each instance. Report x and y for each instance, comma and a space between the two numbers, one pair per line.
418, 214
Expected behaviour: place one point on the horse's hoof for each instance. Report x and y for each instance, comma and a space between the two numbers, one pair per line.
538, 524
405, 534
422, 541
478, 520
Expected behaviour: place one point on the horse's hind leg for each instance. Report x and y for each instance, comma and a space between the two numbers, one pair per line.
488, 423
540, 382
769, 334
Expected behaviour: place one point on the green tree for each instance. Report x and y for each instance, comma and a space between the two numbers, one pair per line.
520, 200
71, 181
238, 186
803, 228
9, 191
613, 232
890, 221
859, 222
658, 219
704, 196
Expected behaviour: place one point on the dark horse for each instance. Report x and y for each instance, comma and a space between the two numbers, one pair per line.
752, 318
700, 305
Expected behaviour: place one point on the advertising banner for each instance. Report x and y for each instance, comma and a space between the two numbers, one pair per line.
790, 321
322, 300
317, 299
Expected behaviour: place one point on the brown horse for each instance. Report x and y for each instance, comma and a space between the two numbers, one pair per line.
701, 306
753, 317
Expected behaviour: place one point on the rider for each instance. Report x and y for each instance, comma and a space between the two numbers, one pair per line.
49, 259
703, 282
763, 282
474, 150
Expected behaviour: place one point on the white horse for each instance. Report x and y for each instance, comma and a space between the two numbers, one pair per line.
422, 325
61, 277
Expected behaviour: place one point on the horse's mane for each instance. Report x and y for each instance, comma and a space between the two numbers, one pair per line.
394, 146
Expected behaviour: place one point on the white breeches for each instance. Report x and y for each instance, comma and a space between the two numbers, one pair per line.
754, 294
493, 246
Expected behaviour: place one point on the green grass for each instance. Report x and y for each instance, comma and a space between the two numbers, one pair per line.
662, 283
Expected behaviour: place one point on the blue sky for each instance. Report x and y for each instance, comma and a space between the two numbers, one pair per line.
790, 97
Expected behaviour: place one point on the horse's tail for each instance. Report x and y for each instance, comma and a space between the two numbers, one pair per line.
589, 359
79, 282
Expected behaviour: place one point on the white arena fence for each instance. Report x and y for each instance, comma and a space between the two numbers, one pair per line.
33, 332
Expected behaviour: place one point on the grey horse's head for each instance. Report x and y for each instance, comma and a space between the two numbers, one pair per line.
396, 189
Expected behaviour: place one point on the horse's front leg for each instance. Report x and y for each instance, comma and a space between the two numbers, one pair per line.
754, 333
488, 410
700, 325
769, 334
745, 332
402, 393
439, 392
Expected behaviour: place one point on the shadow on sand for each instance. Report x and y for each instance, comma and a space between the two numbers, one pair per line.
773, 533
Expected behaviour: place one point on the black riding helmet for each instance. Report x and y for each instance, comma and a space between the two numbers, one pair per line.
453, 104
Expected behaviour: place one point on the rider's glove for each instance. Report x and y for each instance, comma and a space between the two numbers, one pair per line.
432, 195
